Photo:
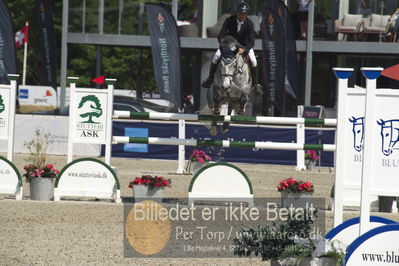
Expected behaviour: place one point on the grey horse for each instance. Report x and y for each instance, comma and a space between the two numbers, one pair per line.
232, 83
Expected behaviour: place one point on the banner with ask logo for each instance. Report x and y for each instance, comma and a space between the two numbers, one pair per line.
165, 46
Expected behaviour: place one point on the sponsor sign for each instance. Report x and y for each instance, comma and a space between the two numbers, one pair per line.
46, 38
11, 181
384, 125
348, 231
4, 113
90, 117
8, 59
165, 47
274, 54
353, 150
37, 95
136, 147
87, 177
376, 247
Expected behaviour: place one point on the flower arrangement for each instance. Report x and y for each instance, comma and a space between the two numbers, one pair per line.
151, 181
199, 156
292, 185
38, 167
311, 155
34, 171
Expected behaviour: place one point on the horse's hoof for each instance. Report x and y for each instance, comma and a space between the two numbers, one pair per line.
225, 129
213, 131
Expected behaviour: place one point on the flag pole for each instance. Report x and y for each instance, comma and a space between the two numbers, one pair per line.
25, 57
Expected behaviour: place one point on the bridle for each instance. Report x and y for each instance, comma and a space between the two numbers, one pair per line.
229, 57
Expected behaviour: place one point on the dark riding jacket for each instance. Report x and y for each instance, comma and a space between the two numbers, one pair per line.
246, 35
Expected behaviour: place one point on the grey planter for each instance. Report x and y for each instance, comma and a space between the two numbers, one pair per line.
141, 192
195, 166
41, 188
296, 200
310, 165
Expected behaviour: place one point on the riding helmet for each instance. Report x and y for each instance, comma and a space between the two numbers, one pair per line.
243, 8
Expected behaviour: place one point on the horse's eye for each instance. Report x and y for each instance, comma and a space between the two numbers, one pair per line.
387, 135
358, 131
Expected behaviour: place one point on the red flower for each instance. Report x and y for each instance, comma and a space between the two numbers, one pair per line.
293, 185
147, 180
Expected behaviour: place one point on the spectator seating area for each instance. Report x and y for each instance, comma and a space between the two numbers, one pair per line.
359, 29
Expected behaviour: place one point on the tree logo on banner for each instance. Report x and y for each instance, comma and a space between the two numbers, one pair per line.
389, 134
90, 107
358, 132
2, 106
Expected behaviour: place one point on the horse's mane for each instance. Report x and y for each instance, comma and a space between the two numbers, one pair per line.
227, 42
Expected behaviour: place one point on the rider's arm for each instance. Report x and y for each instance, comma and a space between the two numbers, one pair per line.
251, 36
223, 30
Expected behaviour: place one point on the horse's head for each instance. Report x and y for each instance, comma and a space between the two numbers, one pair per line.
386, 134
358, 132
228, 64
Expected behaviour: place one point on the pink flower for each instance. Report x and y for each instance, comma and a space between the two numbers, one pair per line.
49, 165
200, 160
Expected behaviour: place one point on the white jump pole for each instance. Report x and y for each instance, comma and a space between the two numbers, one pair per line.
300, 138
225, 118
181, 148
342, 74
371, 74
108, 132
11, 115
72, 86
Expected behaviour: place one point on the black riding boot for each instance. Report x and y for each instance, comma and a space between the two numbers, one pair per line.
208, 82
258, 88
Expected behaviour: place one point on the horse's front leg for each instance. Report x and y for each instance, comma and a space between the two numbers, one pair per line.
241, 105
216, 111
226, 125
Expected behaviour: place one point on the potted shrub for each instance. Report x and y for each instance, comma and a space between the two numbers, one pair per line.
38, 173
149, 187
281, 245
310, 159
198, 159
295, 192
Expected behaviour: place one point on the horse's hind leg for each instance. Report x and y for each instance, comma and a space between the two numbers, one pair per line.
226, 125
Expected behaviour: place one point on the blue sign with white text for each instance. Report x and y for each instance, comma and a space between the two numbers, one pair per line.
23, 93
136, 132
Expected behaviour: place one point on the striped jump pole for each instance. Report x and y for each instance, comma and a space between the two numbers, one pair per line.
225, 143
225, 118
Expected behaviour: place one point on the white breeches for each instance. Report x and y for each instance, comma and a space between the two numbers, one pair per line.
251, 54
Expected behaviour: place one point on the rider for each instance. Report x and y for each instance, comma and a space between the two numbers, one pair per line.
242, 29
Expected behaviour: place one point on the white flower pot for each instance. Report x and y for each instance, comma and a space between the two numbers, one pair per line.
142, 192
196, 166
41, 188
296, 200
